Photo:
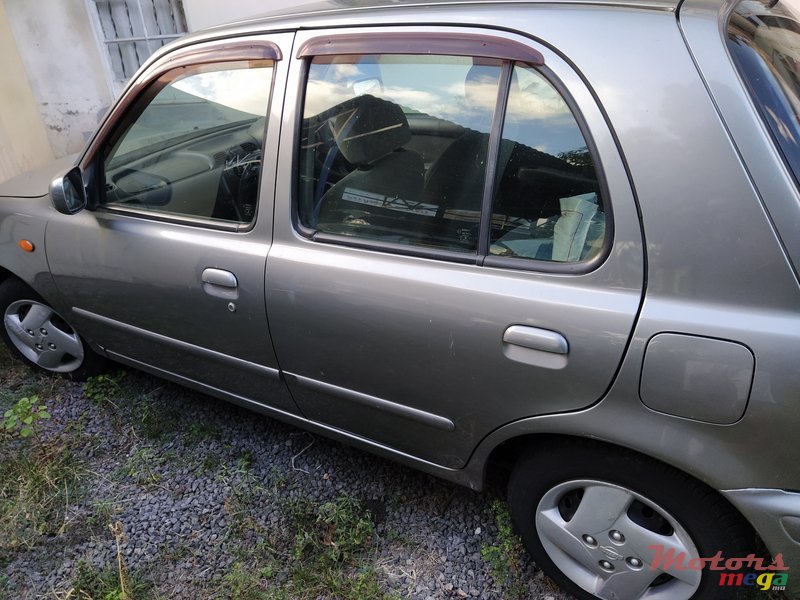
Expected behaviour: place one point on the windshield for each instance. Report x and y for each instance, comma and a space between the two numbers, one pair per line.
764, 40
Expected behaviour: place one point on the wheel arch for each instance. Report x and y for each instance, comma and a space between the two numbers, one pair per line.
5, 274
502, 458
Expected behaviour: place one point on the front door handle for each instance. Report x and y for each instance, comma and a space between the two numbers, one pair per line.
220, 278
535, 346
220, 283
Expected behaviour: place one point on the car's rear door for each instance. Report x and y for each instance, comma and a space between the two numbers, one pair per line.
167, 273
428, 282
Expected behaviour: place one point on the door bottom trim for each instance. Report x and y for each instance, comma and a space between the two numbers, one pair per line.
225, 359
400, 410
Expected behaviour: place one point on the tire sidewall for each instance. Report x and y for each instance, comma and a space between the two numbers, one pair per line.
538, 472
13, 290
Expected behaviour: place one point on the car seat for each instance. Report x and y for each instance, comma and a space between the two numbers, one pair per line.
370, 134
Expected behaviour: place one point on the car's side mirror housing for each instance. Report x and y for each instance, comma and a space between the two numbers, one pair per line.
68, 193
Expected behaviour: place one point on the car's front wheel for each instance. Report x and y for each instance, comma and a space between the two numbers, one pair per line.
40, 337
607, 523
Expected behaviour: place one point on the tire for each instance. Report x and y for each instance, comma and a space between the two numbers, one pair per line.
40, 337
587, 513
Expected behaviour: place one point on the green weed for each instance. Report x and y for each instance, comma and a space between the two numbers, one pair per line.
251, 582
91, 583
104, 388
21, 419
505, 558
211, 462
102, 514
141, 466
113, 582
154, 421
200, 431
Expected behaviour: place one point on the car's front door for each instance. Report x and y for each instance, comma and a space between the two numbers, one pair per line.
449, 261
167, 272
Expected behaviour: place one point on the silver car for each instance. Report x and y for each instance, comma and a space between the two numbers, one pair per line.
558, 237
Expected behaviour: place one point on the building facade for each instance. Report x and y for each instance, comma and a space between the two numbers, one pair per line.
63, 62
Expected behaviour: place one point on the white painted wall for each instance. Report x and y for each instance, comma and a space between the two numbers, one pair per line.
205, 13
23, 141
58, 48
55, 81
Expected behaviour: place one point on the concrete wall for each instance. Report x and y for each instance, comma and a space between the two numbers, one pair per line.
55, 81
67, 73
23, 141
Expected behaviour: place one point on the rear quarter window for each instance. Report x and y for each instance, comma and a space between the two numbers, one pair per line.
764, 41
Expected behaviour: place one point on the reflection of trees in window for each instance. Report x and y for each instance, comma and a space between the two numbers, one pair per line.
579, 157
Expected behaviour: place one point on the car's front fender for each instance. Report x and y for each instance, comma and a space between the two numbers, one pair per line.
23, 222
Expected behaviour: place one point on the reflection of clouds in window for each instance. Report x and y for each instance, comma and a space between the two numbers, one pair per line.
322, 95
537, 116
345, 72
481, 95
537, 99
431, 85
417, 100
240, 89
453, 89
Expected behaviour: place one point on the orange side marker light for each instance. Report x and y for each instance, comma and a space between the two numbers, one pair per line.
27, 245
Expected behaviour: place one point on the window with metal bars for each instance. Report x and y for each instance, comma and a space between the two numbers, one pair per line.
132, 30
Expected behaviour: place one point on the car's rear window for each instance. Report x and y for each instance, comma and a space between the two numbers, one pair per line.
764, 40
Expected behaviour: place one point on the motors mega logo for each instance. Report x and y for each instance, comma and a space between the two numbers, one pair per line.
732, 571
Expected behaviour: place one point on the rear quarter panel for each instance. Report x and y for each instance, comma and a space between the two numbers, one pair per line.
715, 267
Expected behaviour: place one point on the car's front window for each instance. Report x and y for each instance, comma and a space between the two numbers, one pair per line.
191, 145
764, 40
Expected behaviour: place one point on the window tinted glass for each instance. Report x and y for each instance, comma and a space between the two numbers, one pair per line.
194, 145
547, 204
394, 148
764, 39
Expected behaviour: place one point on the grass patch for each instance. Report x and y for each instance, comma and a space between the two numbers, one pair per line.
91, 583
105, 388
505, 558
252, 581
329, 548
141, 465
38, 480
112, 582
200, 431
37, 485
102, 515
131, 405
154, 420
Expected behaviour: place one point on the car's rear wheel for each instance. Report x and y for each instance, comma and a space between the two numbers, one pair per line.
611, 524
42, 338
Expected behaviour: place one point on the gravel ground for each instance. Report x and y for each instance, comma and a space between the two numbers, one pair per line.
197, 484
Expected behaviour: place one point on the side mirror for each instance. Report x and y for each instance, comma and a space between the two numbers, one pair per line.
68, 193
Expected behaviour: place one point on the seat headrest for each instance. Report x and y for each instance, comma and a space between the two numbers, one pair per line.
367, 128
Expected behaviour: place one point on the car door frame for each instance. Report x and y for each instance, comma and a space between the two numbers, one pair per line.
253, 239
624, 264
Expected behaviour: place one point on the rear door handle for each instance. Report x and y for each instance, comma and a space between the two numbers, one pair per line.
220, 283
535, 346
536, 339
